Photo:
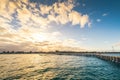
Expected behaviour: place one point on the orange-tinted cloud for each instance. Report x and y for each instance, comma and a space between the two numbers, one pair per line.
34, 28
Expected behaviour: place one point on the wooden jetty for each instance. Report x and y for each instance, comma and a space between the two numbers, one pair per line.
114, 59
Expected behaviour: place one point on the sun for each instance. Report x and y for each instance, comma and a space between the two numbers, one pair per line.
38, 37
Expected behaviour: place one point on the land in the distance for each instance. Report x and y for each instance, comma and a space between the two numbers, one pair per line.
57, 52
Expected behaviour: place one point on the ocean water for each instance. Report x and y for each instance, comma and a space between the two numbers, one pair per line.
56, 67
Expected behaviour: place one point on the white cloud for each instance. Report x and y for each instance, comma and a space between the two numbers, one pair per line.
44, 9
98, 20
77, 18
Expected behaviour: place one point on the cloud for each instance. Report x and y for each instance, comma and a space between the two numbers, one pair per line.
117, 44
98, 20
30, 39
77, 18
60, 12
83, 5
2, 29
24, 24
104, 14
44, 9
65, 45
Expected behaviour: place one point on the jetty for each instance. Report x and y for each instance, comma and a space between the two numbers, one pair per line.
115, 59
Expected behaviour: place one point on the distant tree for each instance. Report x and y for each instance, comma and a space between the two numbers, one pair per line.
56, 51
30, 51
8, 52
12, 52
3, 52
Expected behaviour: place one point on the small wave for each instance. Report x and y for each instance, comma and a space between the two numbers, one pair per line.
30, 67
3, 59
44, 70
1, 66
13, 77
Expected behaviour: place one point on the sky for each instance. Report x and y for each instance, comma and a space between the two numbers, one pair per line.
64, 25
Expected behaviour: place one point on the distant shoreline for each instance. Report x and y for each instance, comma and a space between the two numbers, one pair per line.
61, 53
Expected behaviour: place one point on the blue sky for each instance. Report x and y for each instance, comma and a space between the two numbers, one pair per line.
90, 25
105, 33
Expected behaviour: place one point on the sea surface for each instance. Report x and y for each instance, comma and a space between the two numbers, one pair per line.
56, 67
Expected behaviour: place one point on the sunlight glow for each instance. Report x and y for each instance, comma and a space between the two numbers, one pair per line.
38, 37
